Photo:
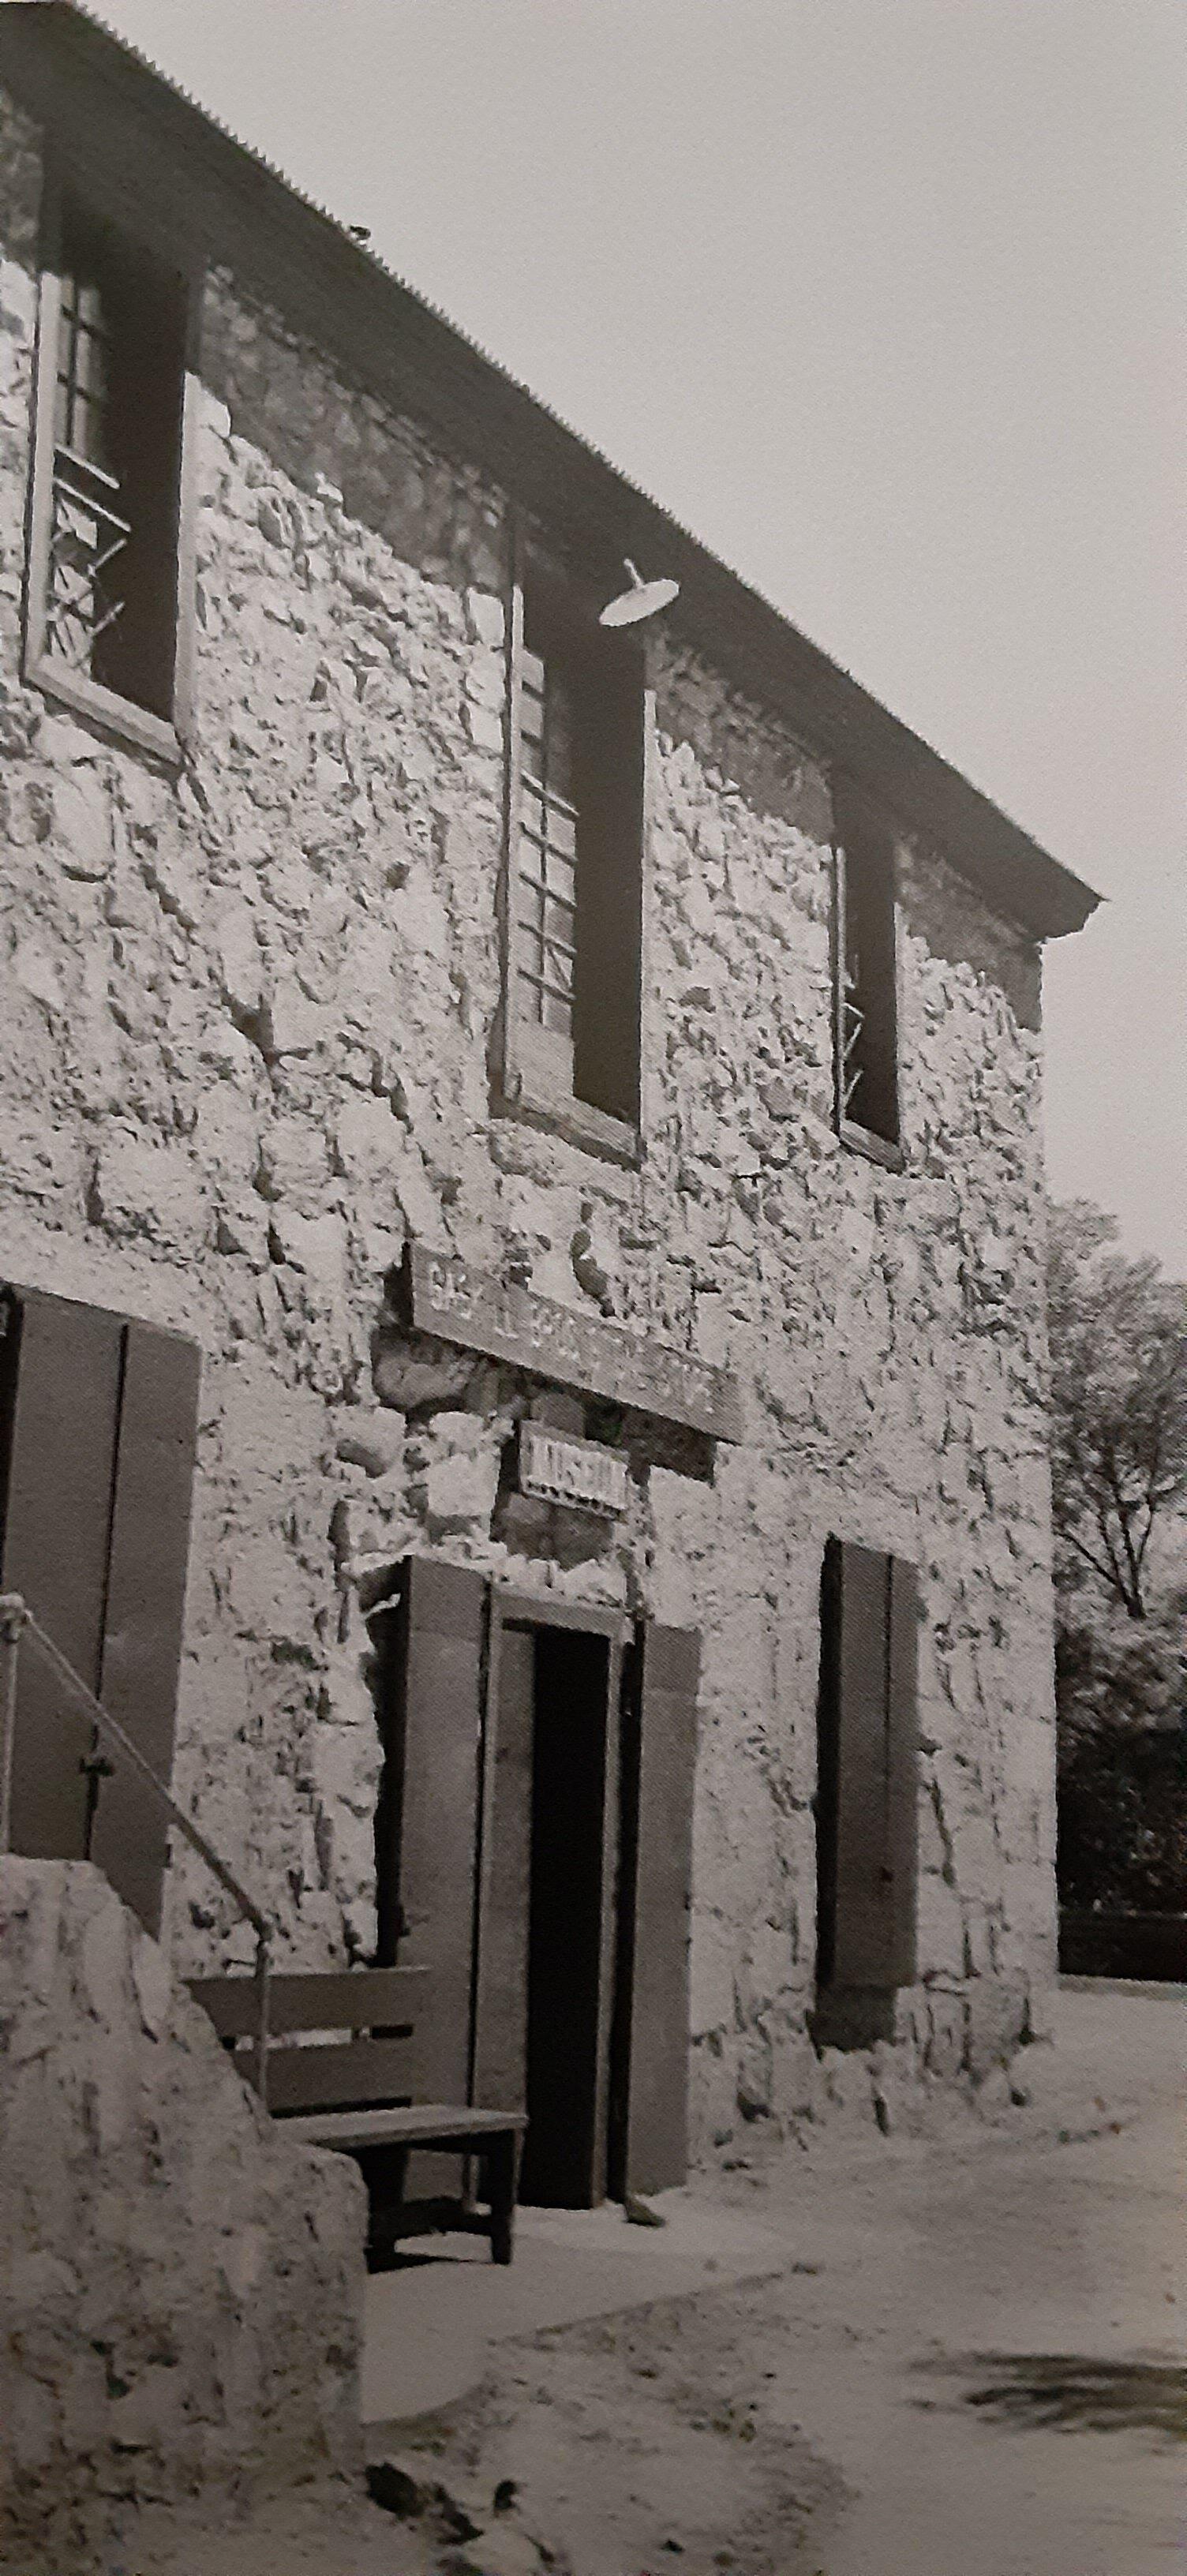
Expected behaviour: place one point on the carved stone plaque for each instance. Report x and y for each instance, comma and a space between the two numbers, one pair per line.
562, 1470
448, 1296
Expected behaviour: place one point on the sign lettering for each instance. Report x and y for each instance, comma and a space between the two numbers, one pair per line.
450, 1297
563, 1470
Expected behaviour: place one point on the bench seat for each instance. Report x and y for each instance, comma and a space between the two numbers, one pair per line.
352, 2093
380, 2141
419, 2124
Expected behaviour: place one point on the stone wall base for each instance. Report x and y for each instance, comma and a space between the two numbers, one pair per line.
182, 2284
878, 2062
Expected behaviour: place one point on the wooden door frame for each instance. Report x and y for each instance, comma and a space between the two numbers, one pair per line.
508, 1608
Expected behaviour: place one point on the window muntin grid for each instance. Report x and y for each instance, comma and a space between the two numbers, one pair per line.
84, 371
88, 532
546, 861
853, 1020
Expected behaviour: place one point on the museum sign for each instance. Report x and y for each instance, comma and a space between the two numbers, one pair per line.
450, 1297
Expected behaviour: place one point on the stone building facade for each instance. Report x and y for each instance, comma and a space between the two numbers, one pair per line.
261, 1088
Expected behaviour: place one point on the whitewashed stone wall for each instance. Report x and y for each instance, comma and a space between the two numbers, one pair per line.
182, 2284
245, 1016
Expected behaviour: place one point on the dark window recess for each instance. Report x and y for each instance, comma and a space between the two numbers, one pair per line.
575, 894
865, 978
867, 1772
110, 608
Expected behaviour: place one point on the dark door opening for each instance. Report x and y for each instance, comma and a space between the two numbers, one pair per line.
547, 1934
567, 2005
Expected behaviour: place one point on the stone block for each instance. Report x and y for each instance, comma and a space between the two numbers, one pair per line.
38, 973
367, 1138
374, 1442
414, 1195
484, 725
240, 960
241, 1226
144, 1187
227, 1132
82, 824
292, 1164
314, 1245
291, 1024
460, 1491
484, 616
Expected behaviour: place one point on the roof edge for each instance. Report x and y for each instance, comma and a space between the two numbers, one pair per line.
48, 50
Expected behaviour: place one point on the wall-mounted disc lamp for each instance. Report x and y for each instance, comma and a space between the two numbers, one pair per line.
643, 599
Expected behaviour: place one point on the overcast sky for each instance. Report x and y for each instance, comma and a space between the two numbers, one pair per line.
883, 298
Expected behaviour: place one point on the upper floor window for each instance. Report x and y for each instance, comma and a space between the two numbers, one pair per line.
574, 865
103, 590
865, 997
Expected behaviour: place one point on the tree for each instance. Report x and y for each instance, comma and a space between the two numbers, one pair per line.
1123, 1820
1118, 1335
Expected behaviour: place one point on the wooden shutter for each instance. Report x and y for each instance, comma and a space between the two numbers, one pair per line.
867, 1786
444, 1618
501, 2007
652, 2038
62, 1367
146, 1580
101, 1419
902, 1754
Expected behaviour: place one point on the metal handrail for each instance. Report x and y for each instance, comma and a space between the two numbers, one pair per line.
15, 1618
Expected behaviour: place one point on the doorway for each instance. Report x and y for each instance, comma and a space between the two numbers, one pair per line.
536, 1858
548, 1884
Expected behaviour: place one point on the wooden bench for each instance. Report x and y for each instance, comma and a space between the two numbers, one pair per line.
356, 2093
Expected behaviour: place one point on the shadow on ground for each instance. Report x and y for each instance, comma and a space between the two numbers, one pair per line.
1064, 2392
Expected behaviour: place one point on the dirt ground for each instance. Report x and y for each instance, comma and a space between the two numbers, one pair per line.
969, 2363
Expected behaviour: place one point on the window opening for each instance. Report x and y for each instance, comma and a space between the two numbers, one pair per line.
575, 895
88, 532
107, 573
866, 997
547, 914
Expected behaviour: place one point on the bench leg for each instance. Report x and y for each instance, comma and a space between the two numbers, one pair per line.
384, 2169
502, 2182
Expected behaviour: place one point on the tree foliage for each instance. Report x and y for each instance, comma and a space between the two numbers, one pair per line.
1115, 1677
1123, 1819
1118, 1335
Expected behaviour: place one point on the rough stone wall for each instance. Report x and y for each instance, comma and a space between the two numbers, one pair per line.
182, 2283
244, 1032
